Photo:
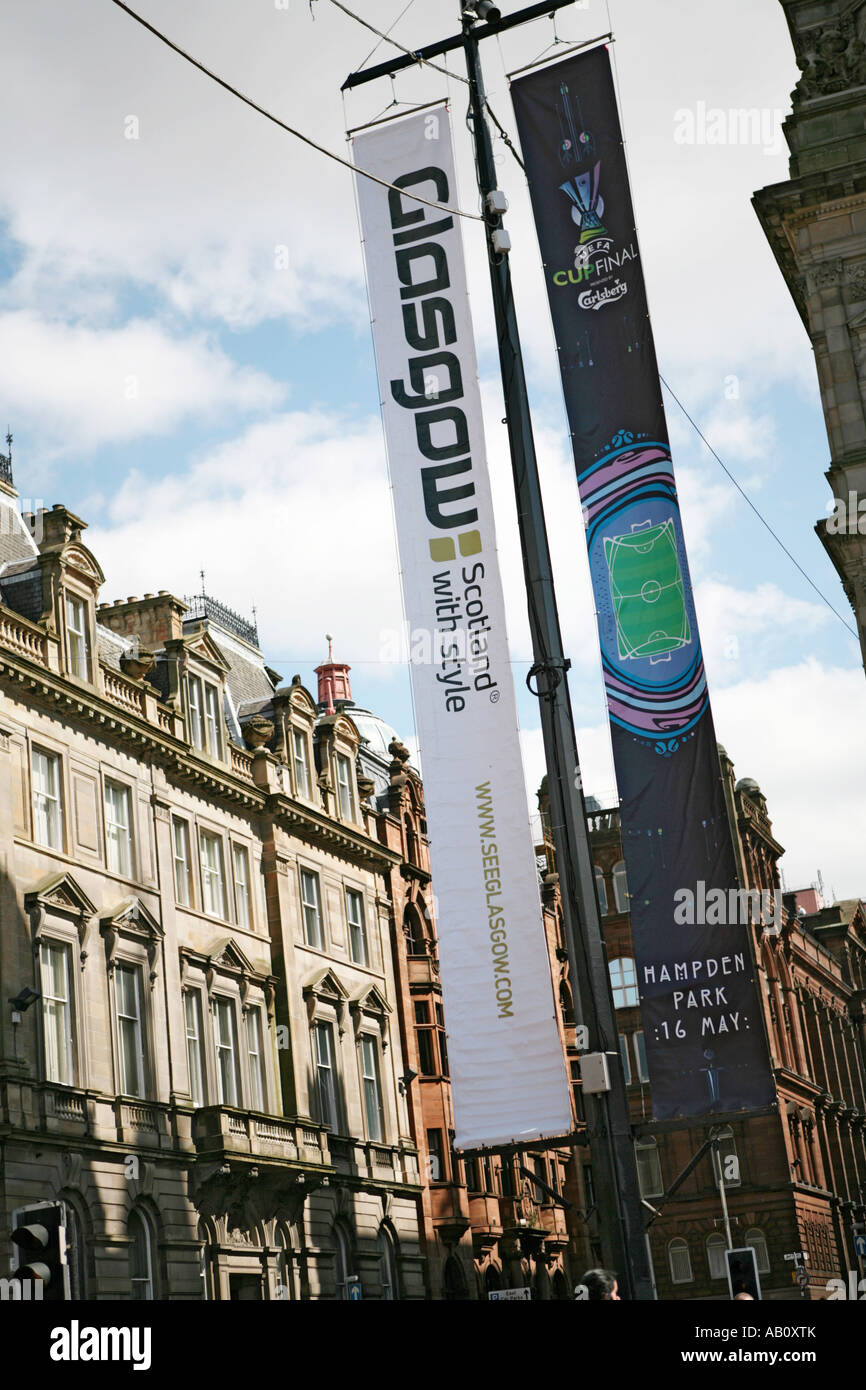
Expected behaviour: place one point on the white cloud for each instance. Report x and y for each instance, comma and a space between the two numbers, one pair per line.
293, 517
89, 387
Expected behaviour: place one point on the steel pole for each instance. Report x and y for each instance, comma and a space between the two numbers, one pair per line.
622, 1229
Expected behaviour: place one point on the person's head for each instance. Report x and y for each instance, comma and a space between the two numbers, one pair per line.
743, 1296
601, 1286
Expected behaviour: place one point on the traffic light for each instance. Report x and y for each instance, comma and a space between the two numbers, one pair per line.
39, 1238
743, 1272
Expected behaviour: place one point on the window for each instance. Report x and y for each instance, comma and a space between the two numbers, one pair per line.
213, 886
325, 1070
77, 637
566, 1004
371, 1087
443, 1046
620, 887
601, 890
118, 828
387, 1265
436, 1155
241, 867
716, 1256
182, 863
623, 982
680, 1262
426, 1049
311, 900
301, 759
641, 1068
725, 1159
226, 1040
470, 1168
506, 1178
255, 1050
343, 1263
47, 807
130, 1030
196, 712
140, 1257
649, 1169
57, 1013
589, 1185
539, 1168
213, 721
194, 1044
758, 1242
357, 926
345, 788
76, 1253
285, 1273
623, 1052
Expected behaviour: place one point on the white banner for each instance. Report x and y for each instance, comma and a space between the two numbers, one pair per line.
507, 1064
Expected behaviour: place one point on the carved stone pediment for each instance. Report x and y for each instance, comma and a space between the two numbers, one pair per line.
133, 920
59, 895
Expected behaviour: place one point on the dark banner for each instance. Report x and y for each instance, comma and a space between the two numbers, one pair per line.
704, 1034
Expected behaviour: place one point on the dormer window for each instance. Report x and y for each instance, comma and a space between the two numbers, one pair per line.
77, 637
213, 721
205, 716
196, 714
346, 788
301, 760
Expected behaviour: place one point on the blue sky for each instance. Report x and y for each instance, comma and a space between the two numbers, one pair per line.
202, 407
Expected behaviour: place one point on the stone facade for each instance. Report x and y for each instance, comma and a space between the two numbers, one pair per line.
816, 226
192, 878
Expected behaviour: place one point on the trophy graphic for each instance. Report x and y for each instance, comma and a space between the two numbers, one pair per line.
587, 203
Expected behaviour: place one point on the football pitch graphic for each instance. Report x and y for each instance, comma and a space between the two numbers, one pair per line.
646, 585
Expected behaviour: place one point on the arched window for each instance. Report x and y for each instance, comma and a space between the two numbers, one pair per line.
207, 1261
416, 936
492, 1280
140, 1256
620, 887
680, 1261
387, 1265
76, 1252
344, 1268
411, 840
566, 1004
623, 981
716, 1256
455, 1280
649, 1169
758, 1242
601, 889
560, 1286
285, 1266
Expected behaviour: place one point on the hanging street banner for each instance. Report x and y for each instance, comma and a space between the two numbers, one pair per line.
701, 1011
506, 1058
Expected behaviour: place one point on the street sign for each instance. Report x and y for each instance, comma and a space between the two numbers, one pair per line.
525, 1295
860, 1246
802, 1276
799, 1255
354, 1293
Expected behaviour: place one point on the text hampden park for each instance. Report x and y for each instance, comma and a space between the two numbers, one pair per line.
493, 895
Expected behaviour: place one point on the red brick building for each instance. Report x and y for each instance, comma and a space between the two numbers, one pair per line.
800, 1170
